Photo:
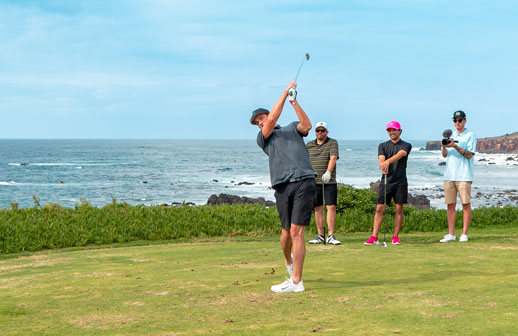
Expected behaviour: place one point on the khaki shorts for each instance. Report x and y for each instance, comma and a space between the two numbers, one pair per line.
451, 188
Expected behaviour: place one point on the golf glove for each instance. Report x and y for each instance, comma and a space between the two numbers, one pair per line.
326, 177
292, 94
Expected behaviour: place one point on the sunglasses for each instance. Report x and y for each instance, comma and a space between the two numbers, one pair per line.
458, 120
320, 130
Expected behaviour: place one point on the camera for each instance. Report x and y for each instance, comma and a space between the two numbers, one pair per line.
447, 137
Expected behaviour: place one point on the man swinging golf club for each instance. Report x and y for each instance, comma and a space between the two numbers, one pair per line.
293, 179
392, 159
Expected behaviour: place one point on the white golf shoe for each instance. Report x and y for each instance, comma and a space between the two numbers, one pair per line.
448, 238
463, 238
288, 286
331, 240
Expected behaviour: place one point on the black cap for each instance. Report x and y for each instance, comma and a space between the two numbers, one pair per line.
258, 112
459, 114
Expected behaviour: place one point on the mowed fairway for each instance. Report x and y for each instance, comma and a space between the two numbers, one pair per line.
223, 287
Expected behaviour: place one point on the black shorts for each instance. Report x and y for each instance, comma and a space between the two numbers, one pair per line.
398, 193
295, 202
330, 194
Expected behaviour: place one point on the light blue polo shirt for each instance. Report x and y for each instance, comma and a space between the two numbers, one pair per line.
458, 168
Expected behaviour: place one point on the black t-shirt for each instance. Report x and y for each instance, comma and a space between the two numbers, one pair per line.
397, 170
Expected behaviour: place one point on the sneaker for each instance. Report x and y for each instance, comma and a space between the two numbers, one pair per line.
288, 287
448, 238
463, 238
372, 241
318, 240
395, 240
289, 268
332, 240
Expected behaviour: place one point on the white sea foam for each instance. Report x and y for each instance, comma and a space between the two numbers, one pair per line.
496, 159
7, 183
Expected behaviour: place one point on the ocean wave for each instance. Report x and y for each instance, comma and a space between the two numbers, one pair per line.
78, 165
17, 164
7, 183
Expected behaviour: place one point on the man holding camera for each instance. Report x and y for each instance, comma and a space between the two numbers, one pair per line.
458, 151
293, 179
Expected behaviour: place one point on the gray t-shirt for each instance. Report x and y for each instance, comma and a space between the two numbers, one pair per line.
287, 153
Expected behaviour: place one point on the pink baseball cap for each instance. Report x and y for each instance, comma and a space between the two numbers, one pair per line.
393, 124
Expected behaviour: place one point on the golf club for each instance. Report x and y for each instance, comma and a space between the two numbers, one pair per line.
292, 93
306, 58
384, 244
323, 210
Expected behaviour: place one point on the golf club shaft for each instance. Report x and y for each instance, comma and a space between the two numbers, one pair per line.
300, 67
306, 58
324, 211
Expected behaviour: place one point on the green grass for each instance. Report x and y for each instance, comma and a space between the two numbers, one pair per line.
223, 287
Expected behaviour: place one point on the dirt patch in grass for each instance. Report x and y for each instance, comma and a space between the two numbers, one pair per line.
98, 275
504, 247
158, 293
134, 303
102, 322
16, 268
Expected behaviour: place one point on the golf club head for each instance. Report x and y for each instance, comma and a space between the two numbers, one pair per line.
383, 244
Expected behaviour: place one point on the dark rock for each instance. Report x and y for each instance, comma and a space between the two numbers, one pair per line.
482, 160
491, 163
374, 186
245, 183
442, 163
433, 145
215, 181
178, 204
233, 199
509, 159
419, 201
144, 182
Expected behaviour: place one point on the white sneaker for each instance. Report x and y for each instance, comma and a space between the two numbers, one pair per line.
448, 238
288, 287
318, 240
463, 238
332, 240
289, 268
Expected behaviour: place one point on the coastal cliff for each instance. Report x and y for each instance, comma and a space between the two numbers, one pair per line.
507, 144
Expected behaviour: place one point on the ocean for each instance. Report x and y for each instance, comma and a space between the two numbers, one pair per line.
152, 172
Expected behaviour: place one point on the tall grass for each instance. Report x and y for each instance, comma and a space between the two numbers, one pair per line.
52, 226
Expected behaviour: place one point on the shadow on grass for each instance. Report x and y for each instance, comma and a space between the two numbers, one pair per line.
422, 278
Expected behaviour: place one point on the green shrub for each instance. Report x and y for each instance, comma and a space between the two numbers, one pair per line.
52, 226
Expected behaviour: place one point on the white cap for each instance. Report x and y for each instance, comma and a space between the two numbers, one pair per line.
321, 124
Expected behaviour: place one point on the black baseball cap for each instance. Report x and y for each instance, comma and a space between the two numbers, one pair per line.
256, 113
459, 114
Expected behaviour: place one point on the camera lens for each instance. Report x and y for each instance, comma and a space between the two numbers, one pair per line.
445, 141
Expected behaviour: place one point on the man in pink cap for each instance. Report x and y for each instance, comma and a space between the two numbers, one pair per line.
392, 159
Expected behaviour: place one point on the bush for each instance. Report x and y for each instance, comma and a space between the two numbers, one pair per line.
52, 226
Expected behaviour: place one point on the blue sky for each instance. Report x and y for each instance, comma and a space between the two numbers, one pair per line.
196, 69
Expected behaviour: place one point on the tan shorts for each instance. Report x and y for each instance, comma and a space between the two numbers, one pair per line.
451, 188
